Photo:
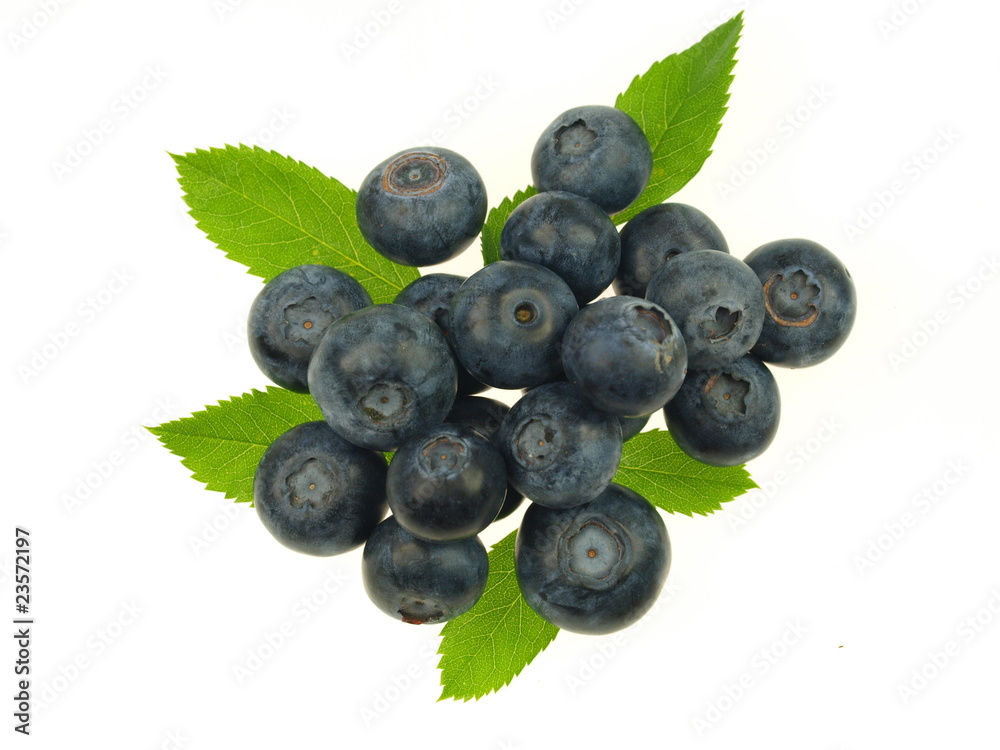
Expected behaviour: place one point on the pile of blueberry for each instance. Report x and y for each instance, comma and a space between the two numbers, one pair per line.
689, 331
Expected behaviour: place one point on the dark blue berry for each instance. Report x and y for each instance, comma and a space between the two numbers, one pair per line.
625, 355
318, 494
595, 151
422, 206
567, 234
431, 294
595, 568
381, 375
657, 234
446, 483
507, 321
290, 314
810, 302
559, 450
727, 415
417, 581
716, 301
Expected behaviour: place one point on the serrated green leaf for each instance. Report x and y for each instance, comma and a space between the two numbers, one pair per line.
488, 646
495, 221
270, 213
223, 444
679, 103
654, 466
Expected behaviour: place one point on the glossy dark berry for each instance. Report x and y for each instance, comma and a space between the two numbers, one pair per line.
625, 354
422, 206
595, 568
290, 314
567, 234
485, 415
657, 234
318, 494
809, 299
560, 450
381, 375
727, 415
431, 294
595, 151
417, 581
507, 321
446, 483
716, 301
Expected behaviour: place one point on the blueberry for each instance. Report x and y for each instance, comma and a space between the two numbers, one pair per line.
559, 450
507, 321
485, 415
446, 483
810, 302
595, 151
717, 302
632, 426
625, 355
290, 314
727, 415
422, 206
568, 234
381, 375
595, 568
318, 494
431, 294
657, 234
419, 582
482, 414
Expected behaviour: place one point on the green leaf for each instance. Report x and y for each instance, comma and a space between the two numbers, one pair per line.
488, 646
495, 221
654, 466
223, 444
679, 103
271, 213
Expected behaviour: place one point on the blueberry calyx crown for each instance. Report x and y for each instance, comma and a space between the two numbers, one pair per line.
575, 138
596, 552
726, 394
414, 173
792, 300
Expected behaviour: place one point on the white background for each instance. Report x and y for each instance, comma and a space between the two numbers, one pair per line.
796, 617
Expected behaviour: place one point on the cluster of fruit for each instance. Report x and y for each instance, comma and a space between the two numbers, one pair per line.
688, 332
